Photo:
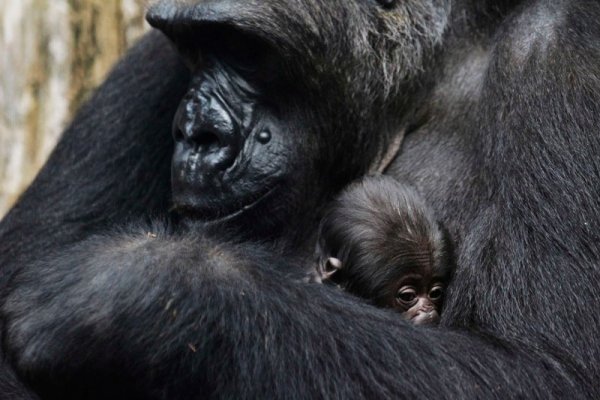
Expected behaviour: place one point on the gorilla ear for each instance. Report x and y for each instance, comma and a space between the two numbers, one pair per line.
324, 270
330, 267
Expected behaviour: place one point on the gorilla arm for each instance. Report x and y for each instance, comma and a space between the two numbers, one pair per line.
111, 164
158, 317
98, 316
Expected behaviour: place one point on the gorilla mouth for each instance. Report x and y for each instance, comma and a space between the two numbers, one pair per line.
220, 215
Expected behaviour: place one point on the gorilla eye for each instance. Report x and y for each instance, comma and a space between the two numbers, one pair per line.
436, 293
406, 294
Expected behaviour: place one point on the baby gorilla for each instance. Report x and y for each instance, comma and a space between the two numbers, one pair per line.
381, 242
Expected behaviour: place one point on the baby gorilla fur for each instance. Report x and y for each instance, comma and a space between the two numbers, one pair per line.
381, 242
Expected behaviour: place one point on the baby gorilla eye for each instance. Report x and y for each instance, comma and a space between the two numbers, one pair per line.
406, 294
436, 293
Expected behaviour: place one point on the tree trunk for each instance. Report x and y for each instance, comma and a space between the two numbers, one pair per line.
54, 53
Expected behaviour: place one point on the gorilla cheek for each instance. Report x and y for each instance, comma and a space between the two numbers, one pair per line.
263, 164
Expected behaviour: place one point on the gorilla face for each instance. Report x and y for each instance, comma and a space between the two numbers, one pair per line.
243, 142
289, 100
232, 152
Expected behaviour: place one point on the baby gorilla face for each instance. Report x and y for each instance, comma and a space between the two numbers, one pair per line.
418, 298
381, 242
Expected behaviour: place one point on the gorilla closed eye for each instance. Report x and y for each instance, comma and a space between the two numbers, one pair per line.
250, 55
194, 315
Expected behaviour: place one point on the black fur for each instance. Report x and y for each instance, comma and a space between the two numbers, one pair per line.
380, 231
500, 101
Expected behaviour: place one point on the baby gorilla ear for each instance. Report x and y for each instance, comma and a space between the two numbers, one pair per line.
332, 265
325, 270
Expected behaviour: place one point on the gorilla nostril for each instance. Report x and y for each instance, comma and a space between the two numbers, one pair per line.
207, 141
217, 151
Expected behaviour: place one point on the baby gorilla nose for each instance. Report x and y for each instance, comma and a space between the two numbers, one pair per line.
430, 317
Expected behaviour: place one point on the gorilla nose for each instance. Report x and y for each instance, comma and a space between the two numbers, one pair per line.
209, 134
426, 318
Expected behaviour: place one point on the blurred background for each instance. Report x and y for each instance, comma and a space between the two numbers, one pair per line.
53, 54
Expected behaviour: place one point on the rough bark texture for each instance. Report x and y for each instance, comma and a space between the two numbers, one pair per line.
54, 52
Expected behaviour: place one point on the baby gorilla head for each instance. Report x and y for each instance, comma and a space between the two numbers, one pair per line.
381, 242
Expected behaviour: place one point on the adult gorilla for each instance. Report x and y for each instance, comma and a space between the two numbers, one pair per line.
500, 102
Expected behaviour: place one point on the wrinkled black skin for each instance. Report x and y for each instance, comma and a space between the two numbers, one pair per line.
221, 164
503, 145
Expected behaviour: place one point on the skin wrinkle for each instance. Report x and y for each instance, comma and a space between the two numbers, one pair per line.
508, 171
335, 64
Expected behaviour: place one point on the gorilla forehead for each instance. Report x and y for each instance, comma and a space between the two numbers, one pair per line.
375, 49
